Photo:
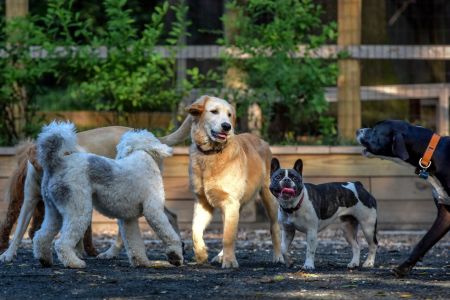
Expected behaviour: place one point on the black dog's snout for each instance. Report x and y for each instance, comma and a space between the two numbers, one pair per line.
358, 132
226, 126
286, 182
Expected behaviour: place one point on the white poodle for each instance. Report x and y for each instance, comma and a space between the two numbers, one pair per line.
125, 188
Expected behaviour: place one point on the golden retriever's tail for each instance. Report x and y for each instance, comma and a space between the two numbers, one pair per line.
15, 192
55, 141
179, 135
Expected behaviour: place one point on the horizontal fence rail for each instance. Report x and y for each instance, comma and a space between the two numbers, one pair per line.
411, 52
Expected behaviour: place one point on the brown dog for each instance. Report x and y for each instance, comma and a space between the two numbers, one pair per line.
226, 172
101, 141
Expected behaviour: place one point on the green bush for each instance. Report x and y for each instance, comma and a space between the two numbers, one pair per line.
131, 76
289, 89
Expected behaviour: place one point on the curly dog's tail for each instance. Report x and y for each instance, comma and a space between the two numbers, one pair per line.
55, 141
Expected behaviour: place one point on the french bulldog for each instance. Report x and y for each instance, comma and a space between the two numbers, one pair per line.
310, 208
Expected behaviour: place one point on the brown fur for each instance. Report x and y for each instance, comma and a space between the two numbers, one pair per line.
227, 175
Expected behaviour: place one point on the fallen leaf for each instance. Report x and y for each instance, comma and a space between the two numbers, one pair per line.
278, 278
305, 274
406, 295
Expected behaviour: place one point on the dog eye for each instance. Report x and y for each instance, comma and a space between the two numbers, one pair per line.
278, 177
215, 111
229, 115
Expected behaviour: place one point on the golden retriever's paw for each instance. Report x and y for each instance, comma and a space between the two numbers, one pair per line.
201, 256
368, 264
278, 258
229, 263
76, 264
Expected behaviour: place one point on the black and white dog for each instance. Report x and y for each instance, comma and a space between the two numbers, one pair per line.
404, 143
310, 208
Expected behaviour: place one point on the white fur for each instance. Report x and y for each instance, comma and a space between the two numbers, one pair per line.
305, 220
126, 189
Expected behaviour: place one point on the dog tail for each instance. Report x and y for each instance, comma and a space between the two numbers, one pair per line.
56, 140
179, 135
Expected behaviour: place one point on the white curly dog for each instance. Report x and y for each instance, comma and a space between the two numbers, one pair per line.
126, 188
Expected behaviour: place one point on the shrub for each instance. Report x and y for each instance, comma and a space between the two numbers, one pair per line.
289, 89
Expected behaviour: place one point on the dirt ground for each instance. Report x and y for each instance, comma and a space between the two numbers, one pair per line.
256, 278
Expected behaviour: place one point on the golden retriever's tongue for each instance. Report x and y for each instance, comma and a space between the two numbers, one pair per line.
222, 135
288, 191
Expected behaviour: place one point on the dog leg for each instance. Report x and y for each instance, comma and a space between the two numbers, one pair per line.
161, 226
271, 207
42, 242
114, 250
32, 193
77, 215
38, 218
203, 213
134, 244
88, 243
230, 226
311, 246
11, 217
350, 228
287, 236
173, 220
369, 229
439, 228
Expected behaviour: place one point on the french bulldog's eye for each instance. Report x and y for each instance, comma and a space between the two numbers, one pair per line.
278, 177
215, 111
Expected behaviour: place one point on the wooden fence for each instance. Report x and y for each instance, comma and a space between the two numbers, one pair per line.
404, 200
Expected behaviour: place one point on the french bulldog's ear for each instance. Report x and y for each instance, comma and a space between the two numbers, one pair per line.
198, 107
298, 166
399, 147
274, 165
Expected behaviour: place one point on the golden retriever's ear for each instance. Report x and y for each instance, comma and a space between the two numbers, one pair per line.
233, 116
197, 108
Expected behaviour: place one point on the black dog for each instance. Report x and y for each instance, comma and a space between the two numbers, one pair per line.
403, 142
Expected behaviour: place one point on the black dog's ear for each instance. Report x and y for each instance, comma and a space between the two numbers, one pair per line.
274, 165
399, 147
298, 166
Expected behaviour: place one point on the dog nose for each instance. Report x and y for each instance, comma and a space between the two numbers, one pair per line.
226, 126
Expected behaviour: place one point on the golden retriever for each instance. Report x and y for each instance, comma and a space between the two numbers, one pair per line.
226, 171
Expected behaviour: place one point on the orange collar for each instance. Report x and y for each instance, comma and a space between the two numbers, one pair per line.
425, 161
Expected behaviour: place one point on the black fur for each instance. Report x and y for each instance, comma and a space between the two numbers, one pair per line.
399, 139
327, 198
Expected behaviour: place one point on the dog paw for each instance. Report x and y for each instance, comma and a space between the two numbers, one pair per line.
201, 256
218, 258
174, 258
7, 257
368, 264
353, 264
79, 264
278, 258
229, 263
308, 267
401, 271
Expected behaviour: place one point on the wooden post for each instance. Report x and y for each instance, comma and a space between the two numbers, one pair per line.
442, 113
349, 102
18, 8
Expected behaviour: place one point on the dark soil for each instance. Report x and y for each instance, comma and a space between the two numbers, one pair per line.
257, 277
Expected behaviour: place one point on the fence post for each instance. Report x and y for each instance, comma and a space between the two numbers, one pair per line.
442, 114
349, 98
18, 8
